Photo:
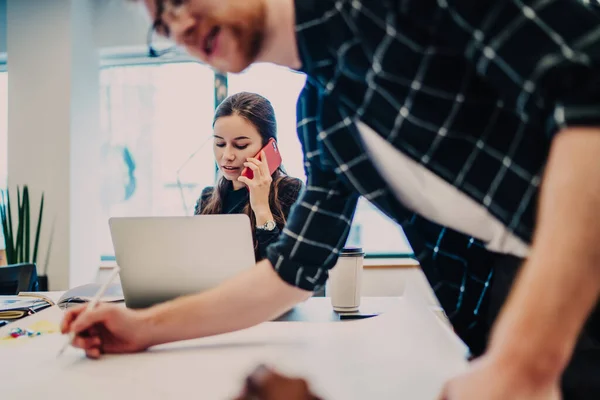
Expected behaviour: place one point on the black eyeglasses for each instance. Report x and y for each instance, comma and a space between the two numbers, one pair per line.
159, 28
155, 30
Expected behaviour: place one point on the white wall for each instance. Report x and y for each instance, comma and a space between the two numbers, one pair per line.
120, 23
53, 143
116, 23
52, 49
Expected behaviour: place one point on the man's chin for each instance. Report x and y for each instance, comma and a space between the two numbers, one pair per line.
238, 69
231, 66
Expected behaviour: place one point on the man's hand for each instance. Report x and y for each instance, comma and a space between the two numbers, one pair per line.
107, 328
265, 384
490, 379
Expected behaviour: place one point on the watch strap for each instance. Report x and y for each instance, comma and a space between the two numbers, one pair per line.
267, 226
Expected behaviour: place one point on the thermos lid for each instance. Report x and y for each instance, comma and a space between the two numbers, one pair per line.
352, 252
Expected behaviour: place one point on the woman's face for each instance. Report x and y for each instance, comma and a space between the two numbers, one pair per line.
235, 140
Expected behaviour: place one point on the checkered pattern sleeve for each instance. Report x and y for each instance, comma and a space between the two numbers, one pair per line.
540, 55
320, 221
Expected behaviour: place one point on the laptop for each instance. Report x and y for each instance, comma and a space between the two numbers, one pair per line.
162, 258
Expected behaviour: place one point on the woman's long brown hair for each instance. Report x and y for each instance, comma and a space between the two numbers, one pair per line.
259, 112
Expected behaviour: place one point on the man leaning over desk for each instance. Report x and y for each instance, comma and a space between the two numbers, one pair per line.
473, 124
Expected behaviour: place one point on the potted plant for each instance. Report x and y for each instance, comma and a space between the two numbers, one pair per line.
19, 246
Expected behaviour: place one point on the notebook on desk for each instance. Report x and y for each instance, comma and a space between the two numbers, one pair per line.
22, 305
27, 303
85, 293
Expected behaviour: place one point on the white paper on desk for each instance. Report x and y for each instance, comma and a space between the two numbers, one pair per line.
30, 353
415, 298
397, 355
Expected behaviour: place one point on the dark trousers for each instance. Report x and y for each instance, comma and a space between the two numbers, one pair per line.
581, 380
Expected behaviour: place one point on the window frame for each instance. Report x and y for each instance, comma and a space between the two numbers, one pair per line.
3, 69
221, 91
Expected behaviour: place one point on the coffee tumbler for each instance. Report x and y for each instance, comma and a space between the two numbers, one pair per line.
345, 280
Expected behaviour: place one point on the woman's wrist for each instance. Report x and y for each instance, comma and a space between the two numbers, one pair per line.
262, 216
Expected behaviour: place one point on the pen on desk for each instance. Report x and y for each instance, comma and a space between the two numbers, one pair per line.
91, 305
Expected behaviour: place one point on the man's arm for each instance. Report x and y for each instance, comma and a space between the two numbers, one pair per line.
536, 332
560, 282
552, 76
302, 256
296, 265
254, 296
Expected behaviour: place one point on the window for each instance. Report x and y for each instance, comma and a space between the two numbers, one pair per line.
156, 122
282, 87
371, 230
3, 130
157, 125
3, 137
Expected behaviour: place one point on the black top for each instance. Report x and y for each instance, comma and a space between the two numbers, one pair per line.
235, 201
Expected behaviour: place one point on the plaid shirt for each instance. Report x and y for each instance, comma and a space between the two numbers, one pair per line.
472, 90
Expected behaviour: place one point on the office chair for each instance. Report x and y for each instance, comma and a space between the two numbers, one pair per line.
18, 278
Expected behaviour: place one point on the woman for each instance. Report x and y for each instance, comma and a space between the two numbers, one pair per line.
243, 125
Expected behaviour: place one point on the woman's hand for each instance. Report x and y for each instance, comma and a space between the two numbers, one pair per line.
259, 187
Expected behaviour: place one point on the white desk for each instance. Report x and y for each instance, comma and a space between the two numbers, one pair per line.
404, 353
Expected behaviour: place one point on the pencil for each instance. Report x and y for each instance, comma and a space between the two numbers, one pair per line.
91, 305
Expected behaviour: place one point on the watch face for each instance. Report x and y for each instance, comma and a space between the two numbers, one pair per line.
267, 226
270, 225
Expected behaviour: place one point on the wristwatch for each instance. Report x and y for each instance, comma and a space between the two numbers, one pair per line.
267, 226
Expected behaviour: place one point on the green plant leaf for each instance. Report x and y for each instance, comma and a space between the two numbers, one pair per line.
20, 227
27, 225
3, 213
37, 233
5, 227
11, 254
18, 248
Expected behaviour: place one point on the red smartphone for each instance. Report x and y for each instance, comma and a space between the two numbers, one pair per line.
273, 159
